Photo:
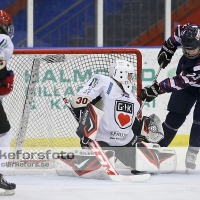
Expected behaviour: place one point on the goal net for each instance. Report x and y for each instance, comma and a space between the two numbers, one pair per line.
38, 116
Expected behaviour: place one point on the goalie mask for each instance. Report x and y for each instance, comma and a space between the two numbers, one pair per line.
122, 71
6, 24
191, 42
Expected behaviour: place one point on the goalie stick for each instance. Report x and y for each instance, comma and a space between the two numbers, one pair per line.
103, 159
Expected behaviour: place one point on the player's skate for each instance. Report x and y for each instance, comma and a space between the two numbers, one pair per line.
8, 187
190, 160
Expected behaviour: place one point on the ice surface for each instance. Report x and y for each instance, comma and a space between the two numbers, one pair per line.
50, 186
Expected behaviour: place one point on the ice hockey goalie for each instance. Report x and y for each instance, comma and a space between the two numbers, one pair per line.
145, 155
133, 141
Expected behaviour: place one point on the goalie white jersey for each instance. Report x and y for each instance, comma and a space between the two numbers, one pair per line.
120, 109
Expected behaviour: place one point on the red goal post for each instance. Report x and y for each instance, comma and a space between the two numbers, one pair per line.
35, 109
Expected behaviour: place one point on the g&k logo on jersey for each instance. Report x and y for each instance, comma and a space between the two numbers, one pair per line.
124, 113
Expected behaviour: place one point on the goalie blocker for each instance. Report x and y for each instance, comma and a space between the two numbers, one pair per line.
145, 156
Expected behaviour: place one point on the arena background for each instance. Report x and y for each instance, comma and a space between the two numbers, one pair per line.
123, 23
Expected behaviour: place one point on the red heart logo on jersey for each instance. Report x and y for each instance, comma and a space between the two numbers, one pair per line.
123, 119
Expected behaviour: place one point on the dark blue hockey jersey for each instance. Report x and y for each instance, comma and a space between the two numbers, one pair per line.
188, 70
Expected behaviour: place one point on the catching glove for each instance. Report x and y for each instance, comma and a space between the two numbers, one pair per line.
165, 54
152, 130
150, 93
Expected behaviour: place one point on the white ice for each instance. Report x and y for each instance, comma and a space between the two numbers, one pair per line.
50, 186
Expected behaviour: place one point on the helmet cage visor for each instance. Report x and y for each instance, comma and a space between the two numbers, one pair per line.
123, 72
123, 75
11, 30
188, 55
191, 41
6, 24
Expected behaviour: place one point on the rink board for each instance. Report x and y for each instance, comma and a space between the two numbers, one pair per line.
181, 140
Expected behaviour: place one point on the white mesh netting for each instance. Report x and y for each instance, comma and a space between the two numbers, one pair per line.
41, 119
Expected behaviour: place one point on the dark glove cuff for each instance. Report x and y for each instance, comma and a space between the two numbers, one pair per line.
169, 48
156, 89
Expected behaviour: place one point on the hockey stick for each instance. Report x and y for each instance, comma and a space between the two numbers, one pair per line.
154, 80
103, 159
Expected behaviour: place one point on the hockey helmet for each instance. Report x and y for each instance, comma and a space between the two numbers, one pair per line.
190, 40
121, 70
6, 24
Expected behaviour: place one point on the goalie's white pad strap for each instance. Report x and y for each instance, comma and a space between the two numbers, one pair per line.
153, 131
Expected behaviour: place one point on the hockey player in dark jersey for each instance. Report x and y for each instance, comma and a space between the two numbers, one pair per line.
6, 86
185, 88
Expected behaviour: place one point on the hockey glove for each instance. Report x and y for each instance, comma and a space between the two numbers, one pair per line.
165, 54
6, 85
152, 130
150, 93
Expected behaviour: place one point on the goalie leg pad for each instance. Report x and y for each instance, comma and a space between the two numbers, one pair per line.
155, 159
147, 157
168, 160
82, 163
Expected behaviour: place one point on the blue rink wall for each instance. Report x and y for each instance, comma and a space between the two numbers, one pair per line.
159, 105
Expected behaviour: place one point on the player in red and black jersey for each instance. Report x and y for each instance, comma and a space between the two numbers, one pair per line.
6, 86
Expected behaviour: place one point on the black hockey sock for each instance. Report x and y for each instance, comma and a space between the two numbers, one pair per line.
194, 134
170, 126
169, 134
